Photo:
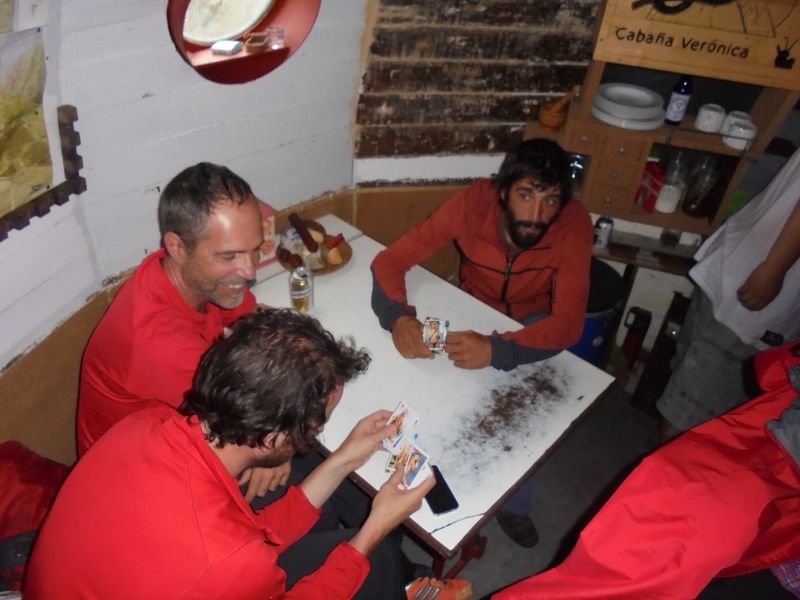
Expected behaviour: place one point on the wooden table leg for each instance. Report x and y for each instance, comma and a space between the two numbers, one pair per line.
472, 549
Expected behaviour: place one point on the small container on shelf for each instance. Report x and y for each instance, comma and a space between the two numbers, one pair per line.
702, 180
277, 38
652, 182
577, 171
256, 41
603, 229
671, 193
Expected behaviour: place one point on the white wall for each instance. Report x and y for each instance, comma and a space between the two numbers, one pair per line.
144, 115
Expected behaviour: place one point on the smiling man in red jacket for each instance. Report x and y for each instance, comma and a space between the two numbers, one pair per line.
153, 509
525, 250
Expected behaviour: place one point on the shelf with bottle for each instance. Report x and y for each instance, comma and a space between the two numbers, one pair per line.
685, 186
616, 156
685, 134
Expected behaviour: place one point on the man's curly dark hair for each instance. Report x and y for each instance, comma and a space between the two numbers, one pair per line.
271, 374
543, 160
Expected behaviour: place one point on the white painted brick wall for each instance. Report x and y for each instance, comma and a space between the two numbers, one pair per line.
144, 114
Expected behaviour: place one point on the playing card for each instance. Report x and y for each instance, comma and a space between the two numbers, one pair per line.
416, 465
398, 458
434, 333
398, 455
406, 421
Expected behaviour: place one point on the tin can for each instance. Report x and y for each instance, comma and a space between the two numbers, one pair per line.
602, 232
301, 289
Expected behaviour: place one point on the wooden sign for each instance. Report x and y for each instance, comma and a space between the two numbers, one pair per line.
751, 41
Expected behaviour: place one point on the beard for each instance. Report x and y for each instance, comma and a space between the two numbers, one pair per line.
219, 291
524, 234
280, 456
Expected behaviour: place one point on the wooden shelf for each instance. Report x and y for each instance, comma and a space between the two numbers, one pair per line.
202, 57
617, 156
683, 135
641, 251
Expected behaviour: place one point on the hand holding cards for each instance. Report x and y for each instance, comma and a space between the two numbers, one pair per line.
434, 333
403, 452
415, 462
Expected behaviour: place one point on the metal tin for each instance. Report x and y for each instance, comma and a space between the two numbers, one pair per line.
301, 289
602, 232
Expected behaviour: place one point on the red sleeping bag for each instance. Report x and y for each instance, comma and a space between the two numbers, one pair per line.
29, 486
723, 499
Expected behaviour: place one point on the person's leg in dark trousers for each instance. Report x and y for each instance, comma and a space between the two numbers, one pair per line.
514, 518
385, 579
347, 507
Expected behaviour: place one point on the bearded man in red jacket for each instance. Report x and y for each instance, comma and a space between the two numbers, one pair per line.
526, 248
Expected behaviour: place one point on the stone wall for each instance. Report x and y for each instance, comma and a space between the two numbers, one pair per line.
454, 76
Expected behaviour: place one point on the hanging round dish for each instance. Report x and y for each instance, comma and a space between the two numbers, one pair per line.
208, 21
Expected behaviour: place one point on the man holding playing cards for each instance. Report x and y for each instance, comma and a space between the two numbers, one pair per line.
525, 248
153, 509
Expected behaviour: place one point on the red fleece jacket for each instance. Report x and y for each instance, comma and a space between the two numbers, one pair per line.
552, 277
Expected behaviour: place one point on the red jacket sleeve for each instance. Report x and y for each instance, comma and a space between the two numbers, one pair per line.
290, 517
415, 246
251, 572
340, 576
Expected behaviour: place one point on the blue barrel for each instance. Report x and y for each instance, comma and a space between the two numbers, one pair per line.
606, 296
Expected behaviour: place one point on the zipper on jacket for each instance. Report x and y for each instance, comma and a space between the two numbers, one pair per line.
506, 278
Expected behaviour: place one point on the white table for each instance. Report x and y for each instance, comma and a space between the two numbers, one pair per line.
486, 429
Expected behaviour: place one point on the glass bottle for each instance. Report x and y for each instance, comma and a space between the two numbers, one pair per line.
701, 181
679, 101
671, 193
301, 289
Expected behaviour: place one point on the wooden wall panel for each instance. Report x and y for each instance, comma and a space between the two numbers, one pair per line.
437, 139
463, 77
456, 80
339, 204
385, 214
509, 13
39, 391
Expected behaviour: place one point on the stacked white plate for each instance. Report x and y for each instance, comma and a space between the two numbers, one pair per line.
628, 106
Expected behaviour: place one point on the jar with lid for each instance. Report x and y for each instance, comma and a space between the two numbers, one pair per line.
671, 193
701, 181
301, 289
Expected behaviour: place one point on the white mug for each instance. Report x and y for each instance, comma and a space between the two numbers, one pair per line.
735, 116
740, 135
709, 118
